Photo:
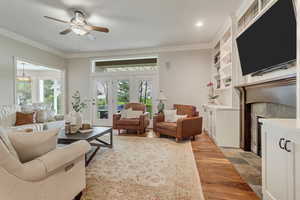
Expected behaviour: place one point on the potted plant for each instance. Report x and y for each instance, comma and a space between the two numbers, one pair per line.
211, 93
78, 107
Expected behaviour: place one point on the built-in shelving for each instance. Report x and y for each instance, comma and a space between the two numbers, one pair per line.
223, 61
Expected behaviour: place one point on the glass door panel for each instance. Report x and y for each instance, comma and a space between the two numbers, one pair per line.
102, 103
145, 94
24, 92
50, 93
110, 94
122, 94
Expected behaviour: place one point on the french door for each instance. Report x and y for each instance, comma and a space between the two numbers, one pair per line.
111, 92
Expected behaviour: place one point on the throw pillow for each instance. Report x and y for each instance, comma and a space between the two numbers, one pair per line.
124, 112
24, 118
179, 117
30, 146
170, 115
6, 141
134, 113
41, 116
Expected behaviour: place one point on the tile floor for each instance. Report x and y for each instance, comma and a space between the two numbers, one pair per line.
248, 165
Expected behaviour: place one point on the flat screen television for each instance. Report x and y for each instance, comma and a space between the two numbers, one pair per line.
271, 41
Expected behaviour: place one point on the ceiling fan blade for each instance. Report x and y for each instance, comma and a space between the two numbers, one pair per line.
96, 28
58, 20
65, 31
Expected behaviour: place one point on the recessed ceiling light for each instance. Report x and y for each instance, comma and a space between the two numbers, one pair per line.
199, 24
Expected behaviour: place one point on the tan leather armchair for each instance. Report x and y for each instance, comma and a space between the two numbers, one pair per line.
139, 124
183, 128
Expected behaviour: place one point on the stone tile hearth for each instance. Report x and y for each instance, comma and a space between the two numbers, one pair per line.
248, 165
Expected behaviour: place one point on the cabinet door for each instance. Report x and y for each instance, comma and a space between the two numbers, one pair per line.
205, 119
213, 125
275, 164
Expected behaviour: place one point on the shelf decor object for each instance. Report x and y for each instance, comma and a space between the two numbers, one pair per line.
212, 97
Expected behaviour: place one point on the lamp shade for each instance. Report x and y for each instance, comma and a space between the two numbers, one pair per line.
161, 96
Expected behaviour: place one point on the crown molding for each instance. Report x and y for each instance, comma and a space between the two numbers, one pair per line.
20, 38
152, 50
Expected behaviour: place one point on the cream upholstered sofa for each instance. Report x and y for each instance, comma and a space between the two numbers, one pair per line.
8, 120
57, 175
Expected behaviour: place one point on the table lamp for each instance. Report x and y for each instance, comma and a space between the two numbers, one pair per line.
161, 99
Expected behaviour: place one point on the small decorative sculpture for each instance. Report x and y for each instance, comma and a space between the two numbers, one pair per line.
78, 107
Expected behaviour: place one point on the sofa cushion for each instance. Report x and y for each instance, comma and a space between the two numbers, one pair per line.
170, 115
134, 114
8, 115
128, 121
172, 126
24, 118
35, 127
6, 141
124, 112
35, 144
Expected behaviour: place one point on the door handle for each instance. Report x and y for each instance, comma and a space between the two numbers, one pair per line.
280, 143
285, 145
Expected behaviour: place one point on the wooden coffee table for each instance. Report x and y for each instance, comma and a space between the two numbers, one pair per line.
92, 138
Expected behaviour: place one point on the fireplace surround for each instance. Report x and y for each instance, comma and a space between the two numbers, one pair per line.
274, 98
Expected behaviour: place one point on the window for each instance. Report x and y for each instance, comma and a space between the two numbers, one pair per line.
122, 94
102, 99
38, 84
130, 65
145, 94
50, 94
249, 15
23, 89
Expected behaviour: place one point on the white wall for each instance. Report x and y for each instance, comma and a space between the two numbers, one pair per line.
183, 76
78, 79
11, 48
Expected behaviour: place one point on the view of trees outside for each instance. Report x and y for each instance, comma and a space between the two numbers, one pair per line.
145, 95
49, 94
102, 99
23, 89
122, 93
24, 93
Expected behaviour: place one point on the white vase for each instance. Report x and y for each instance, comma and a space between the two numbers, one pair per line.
76, 118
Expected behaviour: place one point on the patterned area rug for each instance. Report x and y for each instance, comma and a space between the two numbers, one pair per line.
143, 169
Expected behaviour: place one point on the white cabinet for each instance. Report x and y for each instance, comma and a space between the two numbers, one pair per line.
280, 168
222, 125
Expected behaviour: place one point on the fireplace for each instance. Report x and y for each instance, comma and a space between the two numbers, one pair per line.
271, 99
258, 134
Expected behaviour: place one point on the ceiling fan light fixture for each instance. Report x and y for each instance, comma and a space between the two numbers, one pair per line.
79, 30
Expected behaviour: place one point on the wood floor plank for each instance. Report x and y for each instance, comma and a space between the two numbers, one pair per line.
220, 180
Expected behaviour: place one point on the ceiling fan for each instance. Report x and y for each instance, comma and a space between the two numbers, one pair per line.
79, 25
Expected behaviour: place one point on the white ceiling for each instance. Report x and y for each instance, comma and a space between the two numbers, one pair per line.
133, 23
